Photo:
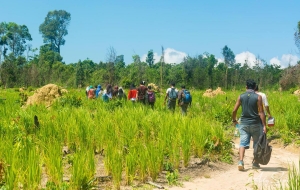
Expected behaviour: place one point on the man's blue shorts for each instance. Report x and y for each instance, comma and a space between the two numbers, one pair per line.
248, 131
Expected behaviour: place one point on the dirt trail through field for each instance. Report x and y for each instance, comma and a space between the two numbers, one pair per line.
229, 178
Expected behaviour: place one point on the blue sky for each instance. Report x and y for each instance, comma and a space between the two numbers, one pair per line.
251, 28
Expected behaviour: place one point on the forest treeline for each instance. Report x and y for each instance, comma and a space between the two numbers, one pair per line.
22, 65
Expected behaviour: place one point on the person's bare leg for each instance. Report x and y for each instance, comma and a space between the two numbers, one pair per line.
242, 153
241, 162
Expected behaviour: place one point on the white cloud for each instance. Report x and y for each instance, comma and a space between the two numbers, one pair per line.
275, 61
220, 60
285, 61
244, 57
171, 56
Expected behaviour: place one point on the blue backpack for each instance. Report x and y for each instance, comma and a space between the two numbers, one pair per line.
105, 97
186, 96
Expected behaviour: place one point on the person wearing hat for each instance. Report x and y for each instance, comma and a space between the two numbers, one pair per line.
91, 93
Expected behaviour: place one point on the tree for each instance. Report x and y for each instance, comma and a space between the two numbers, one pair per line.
136, 59
120, 62
150, 58
111, 56
3, 39
54, 28
79, 74
211, 62
15, 37
297, 36
229, 59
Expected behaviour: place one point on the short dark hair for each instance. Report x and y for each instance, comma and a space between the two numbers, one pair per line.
251, 84
149, 87
143, 82
172, 83
182, 86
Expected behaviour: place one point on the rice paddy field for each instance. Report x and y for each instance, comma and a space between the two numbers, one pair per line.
83, 144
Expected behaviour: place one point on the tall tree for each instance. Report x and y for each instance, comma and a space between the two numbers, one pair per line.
229, 59
79, 74
211, 62
54, 28
150, 58
110, 59
3, 39
16, 38
297, 36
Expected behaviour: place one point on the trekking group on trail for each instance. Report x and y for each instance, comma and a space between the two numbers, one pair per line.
144, 95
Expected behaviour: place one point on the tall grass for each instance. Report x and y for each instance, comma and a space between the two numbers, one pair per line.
136, 141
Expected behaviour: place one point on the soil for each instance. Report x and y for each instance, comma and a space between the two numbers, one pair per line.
220, 176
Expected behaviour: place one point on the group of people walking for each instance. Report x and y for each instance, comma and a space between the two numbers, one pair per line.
143, 94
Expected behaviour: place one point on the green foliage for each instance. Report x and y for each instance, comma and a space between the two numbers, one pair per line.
15, 37
150, 58
294, 177
73, 101
172, 177
54, 28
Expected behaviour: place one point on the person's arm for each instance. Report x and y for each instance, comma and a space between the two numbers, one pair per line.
137, 94
235, 109
179, 97
261, 113
266, 104
268, 111
166, 97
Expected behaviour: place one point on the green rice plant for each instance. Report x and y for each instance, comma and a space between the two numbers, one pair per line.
83, 170
172, 177
130, 167
294, 177
186, 134
53, 161
155, 159
142, 162
201, 134
33, 177
117, 168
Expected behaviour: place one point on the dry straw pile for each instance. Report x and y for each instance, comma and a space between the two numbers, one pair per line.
46, 95
297, 92
154, 87
212, 93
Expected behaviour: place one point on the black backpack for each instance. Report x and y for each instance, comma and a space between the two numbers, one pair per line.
262, 150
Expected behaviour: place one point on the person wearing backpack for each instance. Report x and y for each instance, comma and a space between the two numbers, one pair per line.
98, 90
141, 92
151, 97
184, 99
252, 119
171, 96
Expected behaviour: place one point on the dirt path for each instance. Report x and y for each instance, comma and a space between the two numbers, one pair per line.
228, 177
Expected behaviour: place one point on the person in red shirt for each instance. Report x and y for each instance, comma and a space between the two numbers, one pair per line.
132, 93
91, 93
